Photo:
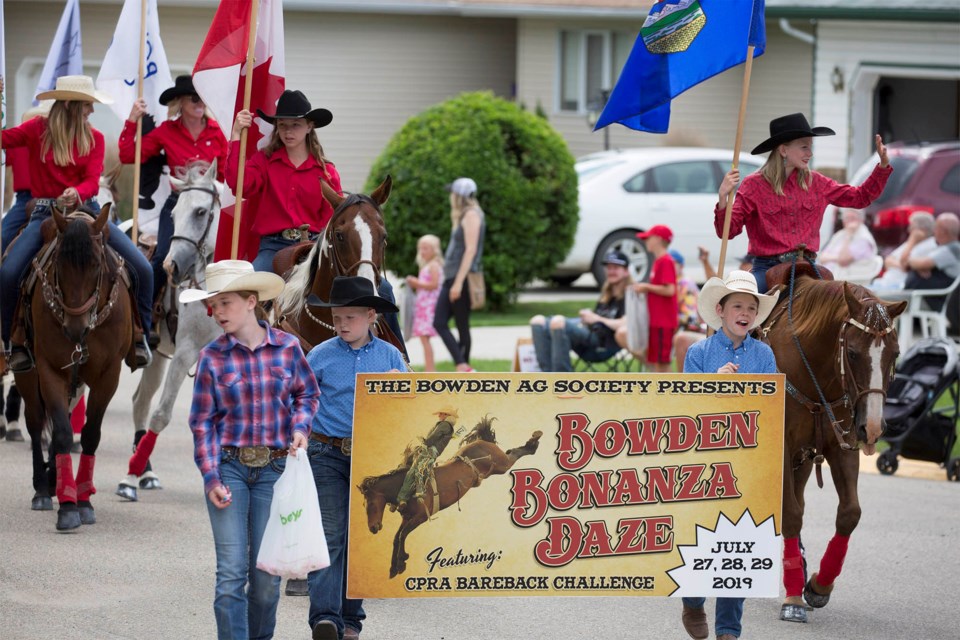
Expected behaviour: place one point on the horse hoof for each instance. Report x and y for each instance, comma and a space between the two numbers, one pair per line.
793, 613
14, 435
41, 503
87, 515
126, 492
814, 599
150, 483
68, 518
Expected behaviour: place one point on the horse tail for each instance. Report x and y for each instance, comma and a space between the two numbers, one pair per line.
294, 295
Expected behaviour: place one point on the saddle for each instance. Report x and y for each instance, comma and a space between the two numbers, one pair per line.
287, 258
780, 274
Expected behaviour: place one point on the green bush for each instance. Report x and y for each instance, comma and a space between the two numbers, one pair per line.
525, 178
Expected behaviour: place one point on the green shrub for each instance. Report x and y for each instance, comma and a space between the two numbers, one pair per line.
525, 178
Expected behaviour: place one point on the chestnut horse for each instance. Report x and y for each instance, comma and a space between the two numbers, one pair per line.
80, 321
837, 345
478, 458
353, 243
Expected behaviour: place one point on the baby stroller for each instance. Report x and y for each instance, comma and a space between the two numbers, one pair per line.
922, 407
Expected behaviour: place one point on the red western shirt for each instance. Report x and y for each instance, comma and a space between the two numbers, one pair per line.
47, 179
777, 224
288, 196
19, 162
173, 138
664, 310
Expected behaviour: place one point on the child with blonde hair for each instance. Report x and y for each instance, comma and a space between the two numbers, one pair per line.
427, 285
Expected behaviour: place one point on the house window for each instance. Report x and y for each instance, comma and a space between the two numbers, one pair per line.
590, 63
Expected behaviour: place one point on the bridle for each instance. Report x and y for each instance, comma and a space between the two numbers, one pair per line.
200, 245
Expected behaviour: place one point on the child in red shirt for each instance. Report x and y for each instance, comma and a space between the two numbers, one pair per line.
661, 293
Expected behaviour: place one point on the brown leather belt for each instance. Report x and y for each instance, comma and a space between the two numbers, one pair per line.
344, 444
255, 456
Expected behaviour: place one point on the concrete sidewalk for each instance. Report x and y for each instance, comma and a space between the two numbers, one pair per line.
489, 343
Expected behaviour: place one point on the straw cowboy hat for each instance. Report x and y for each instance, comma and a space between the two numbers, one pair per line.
293, 104
736, 282
78, 88
235, 275
447, 409
353, 291
787, 128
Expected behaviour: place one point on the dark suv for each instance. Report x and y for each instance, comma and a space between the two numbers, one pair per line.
926, 177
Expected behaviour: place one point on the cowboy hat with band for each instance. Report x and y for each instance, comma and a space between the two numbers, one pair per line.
737, 281
235, 275
788, 128
293, 105
77, 89
182, 86
353, 291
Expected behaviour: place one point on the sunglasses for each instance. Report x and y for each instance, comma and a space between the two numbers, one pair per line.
194, 98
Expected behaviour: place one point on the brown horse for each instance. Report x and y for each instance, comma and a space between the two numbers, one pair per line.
837, 346
80, 320
478, 457
353, 243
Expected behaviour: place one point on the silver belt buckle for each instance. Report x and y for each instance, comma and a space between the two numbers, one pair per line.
290, 234
254, 456
346, 445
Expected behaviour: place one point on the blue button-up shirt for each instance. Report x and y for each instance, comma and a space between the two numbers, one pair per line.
708, 355
336, 365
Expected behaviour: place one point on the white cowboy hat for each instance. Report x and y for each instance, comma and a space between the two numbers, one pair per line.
736, 282
79, 88
41, 109
235, 275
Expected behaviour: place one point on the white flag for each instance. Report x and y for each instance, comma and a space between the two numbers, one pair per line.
65, 57
118, 75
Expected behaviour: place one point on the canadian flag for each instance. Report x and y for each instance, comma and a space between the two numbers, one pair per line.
219, 77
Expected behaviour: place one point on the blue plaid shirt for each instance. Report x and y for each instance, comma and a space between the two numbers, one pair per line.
709, 355
336, 365
244, 398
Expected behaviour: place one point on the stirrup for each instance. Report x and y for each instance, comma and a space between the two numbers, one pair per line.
143, 356
19, 359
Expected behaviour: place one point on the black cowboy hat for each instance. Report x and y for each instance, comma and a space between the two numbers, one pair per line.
293, 104
353, 291
182, 86
787, 128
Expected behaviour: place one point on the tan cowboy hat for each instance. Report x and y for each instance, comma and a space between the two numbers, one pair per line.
79, 88
41, 109
235, 275
736, 282
447, 410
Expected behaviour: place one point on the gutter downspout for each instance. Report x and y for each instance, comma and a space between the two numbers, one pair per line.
790, 30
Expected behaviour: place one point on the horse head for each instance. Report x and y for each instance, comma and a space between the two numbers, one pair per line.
867, 357
375, 502
194, 222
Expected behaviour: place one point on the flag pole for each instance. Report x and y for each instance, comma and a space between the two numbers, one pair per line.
247, 89
139, 136
745, 92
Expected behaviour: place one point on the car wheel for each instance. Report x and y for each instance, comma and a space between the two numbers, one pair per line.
564, 281
633, 247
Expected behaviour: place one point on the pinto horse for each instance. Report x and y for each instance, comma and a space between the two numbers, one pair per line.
80, 320
837, 345
479, 457
353, 243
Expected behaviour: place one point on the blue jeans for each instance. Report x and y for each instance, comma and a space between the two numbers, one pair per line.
728, 616
759, 271
269, 246
328, 587
164, 233
245, 600
16, 264
553, 346
15, 218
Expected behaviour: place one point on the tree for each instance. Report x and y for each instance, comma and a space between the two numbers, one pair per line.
526, 185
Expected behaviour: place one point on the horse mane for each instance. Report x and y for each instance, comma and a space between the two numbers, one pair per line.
819, 305
483, 431
76, 245
294, 296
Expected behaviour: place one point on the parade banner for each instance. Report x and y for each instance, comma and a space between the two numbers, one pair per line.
566, 484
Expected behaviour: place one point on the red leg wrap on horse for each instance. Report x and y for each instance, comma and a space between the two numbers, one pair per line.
85, 487
140, 457
792, 567
832, 562
66, 484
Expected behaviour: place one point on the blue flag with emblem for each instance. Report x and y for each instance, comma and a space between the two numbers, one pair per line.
681, 44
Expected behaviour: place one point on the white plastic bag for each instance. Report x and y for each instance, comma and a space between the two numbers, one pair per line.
408, 300
293, 542
638, 321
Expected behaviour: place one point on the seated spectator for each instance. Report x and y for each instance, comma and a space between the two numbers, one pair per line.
939, 269
851, 253
591, 335
920, 242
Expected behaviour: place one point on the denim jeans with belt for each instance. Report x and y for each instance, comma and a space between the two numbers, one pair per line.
14, 218
553, 346
29, 243
328, 587
728, 616
245, 599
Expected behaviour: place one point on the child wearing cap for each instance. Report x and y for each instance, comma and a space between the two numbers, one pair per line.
732, 307
661, 293
253, 400
336, 363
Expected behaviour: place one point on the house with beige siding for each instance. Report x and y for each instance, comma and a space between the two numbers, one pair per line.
853, 65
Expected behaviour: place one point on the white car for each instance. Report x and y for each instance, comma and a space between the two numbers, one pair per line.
630, 190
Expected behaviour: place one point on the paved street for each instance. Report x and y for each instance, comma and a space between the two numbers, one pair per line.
146, 570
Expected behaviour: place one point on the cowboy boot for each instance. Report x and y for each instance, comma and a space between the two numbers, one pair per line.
139, 355
18, 356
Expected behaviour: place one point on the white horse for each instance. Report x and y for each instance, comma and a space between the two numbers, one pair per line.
195, 221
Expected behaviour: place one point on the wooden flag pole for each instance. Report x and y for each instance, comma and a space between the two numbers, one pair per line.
745, 92
139, 137
247, 89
